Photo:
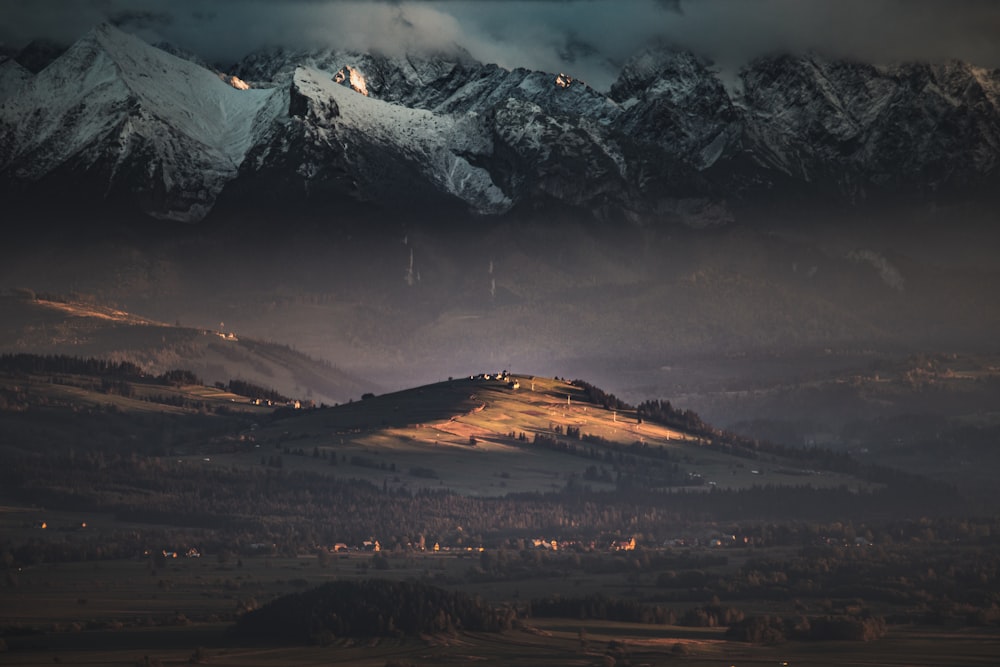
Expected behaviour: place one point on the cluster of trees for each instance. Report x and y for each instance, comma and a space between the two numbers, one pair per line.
635, 465
179, 378
371, 608
600, 397
365, 462
776, 629
251, 390
688, 421
859, 625
116, 376
35, 364
662, 412
657, 411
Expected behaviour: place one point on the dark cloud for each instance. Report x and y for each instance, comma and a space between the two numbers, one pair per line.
587, 38
140, 20
872, 30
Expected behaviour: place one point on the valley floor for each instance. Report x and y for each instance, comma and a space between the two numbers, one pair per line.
547, 644
124, 613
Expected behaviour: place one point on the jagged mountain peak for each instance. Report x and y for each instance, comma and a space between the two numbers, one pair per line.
960, 82
861, 128
674, 99
38, 54
126, 117
12, 77
447, 82
667, 66
433, 149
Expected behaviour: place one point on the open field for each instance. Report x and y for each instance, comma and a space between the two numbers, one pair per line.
119, 612
527, 648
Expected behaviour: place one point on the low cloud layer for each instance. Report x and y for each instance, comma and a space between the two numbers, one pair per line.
587, 38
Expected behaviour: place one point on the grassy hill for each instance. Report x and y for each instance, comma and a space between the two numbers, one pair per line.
86, 407
55, 325
480, 436
484, 436
480, 459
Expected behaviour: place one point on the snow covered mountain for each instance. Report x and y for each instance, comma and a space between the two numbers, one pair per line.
860, 128
114, 117
116, 122
12, 77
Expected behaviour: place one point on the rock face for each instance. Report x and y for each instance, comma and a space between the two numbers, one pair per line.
115, 121
858, 129
12, 77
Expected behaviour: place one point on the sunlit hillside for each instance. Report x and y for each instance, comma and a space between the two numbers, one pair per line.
82, 328
493, 434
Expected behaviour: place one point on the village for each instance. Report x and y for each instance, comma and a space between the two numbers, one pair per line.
541, 544
706, 541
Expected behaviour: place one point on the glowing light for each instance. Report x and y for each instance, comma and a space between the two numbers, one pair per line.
352, 78
564, 80
238, 83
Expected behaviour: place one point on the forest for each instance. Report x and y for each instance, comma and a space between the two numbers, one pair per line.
371, 608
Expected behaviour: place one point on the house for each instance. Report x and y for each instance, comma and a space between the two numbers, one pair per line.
623, 545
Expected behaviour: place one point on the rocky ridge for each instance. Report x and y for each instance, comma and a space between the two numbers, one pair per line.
115, 120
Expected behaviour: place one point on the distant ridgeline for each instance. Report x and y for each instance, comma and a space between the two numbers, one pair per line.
662, 412
34, 364
370, 608
688, 421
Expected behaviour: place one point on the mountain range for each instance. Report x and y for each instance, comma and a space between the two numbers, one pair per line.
116, 123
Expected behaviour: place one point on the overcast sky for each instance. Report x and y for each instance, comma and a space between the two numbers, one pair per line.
587, 38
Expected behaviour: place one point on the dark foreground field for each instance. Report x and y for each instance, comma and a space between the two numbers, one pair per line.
127, 613
552, 644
